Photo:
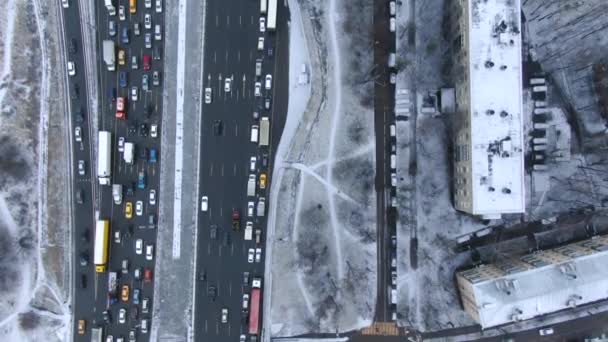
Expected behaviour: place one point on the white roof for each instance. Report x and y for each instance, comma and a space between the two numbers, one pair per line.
496, 107
542, 290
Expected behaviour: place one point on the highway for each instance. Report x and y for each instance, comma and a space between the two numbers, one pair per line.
231, 36
91, 302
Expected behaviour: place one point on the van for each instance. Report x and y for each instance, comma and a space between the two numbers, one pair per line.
254, 133
157, 32
393, 161
261, 206
251, 185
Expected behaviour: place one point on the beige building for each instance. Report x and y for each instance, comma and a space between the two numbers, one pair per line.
536, 284
488, 137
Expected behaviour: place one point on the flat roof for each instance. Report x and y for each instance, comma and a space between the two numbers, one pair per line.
496, 107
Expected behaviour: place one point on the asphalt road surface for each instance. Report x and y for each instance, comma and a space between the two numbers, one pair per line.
231, 37
90, 303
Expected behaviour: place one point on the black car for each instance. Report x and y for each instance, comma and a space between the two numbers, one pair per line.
213, 232
107, 316
79, 196
132, 129
73, 46
265, 160
75, 92
212, 292
143, 154
226, 239
143, 130
267, 103
83, 281
202, 276
246, 278
270, 52
134, 313
84, 259
85, 236
157, 53
131, 189
217, 127
112, 94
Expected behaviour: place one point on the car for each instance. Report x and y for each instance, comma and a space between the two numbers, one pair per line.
112, 94
152, 197
227, 84
141, 180
149, 252
148, 40
245, 302
139, 208
122, 79
71, 68
153, 155
257, 89
262, 24
110, 338
262, 180
125, 266
147, 275
245, 278
224, 315
128, 210
121, 13
252, 162
546, 331
117, 237
79, 196
120, 108
212, 292
204, 203
82, 326
270, 52
153, 130
134, 64
391, 6
148, 21
258, 254
75, 92
213, 232
124, 293
157, 54
256, 115
121, 144
122, 315
268, 82
136, 293
85, 236
208, 95
264, 160
151, 221
65, 4
155, 78
132, 335
250, 255
145, 82
112, 28
136, 29
124, 36
217, 127
83, 281
267, 102
144, 326
84, 259
134, 313
261, 44
258, 67
393, 78
158, 35
143, 130
134, 93
243, 338
148, 3
159, 6
137, 273
250, 207
81, 169
392, 24
145, 305
139, 246
73, 46
107, 316
393, 179
146, 62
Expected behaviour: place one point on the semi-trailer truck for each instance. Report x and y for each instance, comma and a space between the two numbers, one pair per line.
254, 307
104, 158
100, 251
109, 55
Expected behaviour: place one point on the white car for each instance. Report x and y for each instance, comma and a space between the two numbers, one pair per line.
78, 134
134, 93
148, 40
260, 43
121, 144
121, 12
258, 254
148, 21
252, 163
250, 255
136, 29
117, 236
158, 34
262, 24
65, 3
208, 95
393, 179
71, 68
224, 315
154, 130
122, 315
268, 82
148, 3
228, 85
149, 252
391, 8
546, 331
139, 246
139, 208
159, 6
204, 203
152, 197
243, 338
245, 302
134, 64
392, 24
257, 89
250, 206
81, 170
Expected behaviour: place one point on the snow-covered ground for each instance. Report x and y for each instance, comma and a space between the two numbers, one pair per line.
321, 264
34, 261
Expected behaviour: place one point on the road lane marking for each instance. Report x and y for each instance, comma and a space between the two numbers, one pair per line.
217, 20
228, 21
236, 129
214, 57
211, 170
222, 171
234, 170
240, 20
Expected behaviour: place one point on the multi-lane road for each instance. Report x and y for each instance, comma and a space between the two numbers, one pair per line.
231, 51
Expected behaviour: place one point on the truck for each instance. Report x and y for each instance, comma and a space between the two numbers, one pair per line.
117, 193
236, 219
271, 21
129, 153
109, 55
100, 250
263, 6
249, 230
261, 206
110, 7
264, 131
97, 333
251, 185
254, 307
112, 288
104, 158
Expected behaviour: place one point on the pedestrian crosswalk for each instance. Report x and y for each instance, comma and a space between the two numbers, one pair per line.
382, 329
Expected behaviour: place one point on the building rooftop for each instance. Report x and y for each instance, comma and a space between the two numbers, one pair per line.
496, 107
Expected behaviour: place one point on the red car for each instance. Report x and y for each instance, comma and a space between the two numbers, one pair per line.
147, 275
120, 108
146, 62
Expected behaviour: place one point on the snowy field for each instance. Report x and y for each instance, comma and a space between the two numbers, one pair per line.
34, 266
322, 233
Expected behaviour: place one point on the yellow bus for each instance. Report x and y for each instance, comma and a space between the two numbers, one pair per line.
133, 6
100, 253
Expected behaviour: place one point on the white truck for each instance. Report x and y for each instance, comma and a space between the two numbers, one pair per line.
129, 153
271, 22
117, 193
261, 206
251, 185
264, 131
104, 158
109, 55
249, 230
110, 7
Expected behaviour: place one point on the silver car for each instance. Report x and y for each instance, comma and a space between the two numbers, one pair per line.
144, 83
148, 40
